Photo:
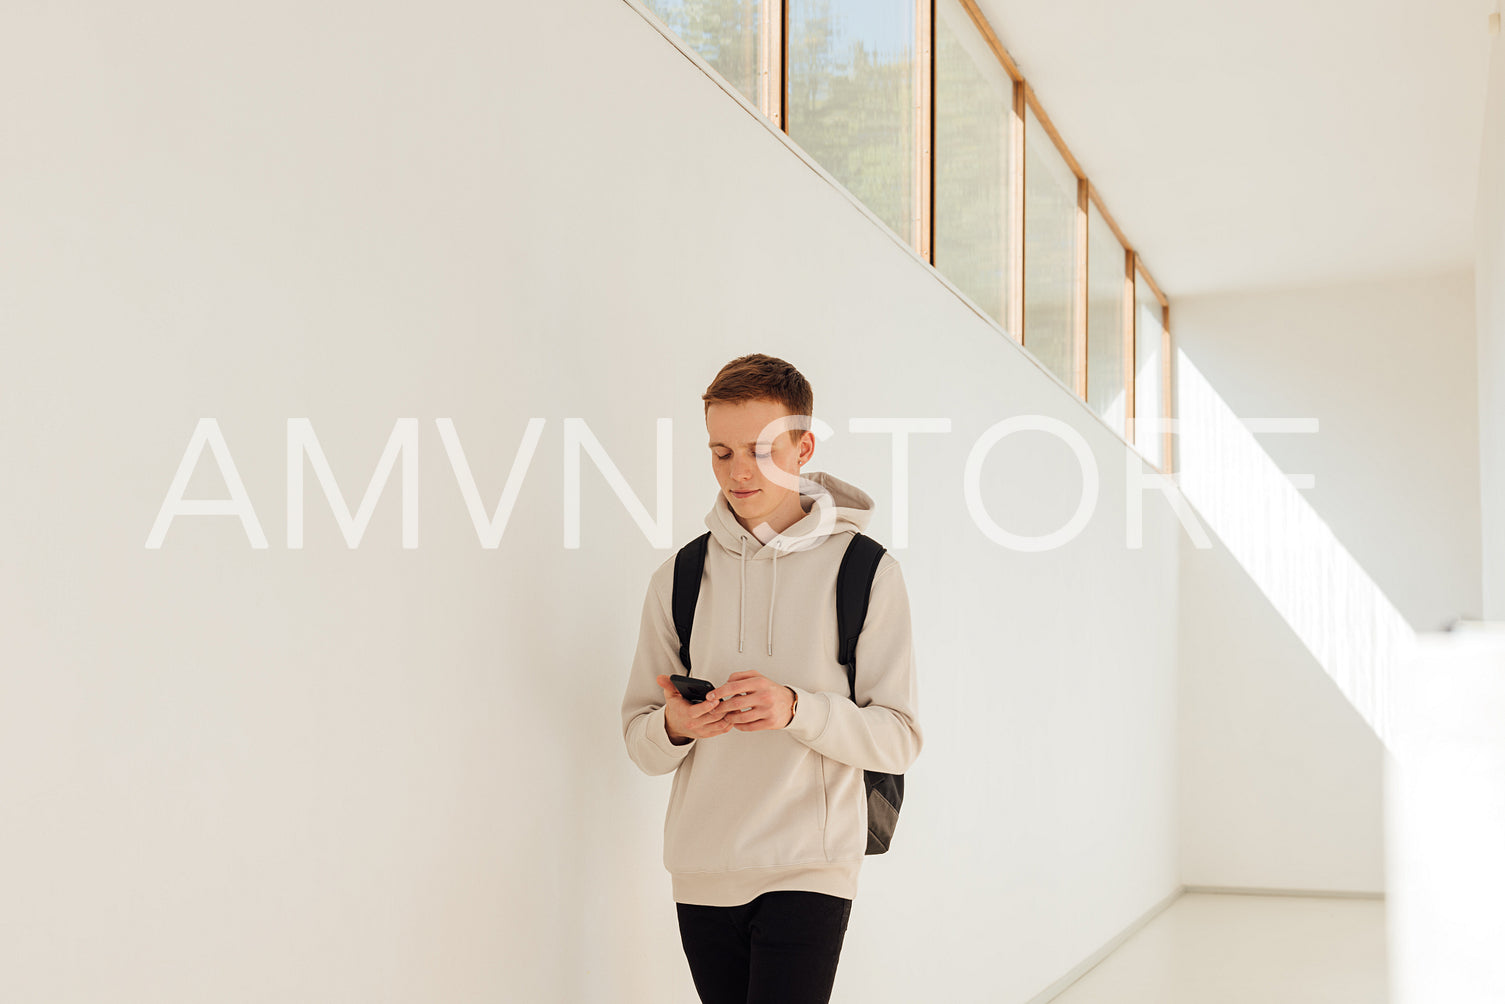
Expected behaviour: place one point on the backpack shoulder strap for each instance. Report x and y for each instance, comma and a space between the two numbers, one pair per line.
854, 583
689, 563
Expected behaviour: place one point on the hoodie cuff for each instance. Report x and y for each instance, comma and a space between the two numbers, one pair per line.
811, 716
658, 734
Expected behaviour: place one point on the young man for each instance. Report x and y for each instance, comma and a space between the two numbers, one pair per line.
767, 820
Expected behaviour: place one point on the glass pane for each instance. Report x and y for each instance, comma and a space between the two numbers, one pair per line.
1049, 252
973, 103
1147, 370
1105, 322
722, 32
851, 98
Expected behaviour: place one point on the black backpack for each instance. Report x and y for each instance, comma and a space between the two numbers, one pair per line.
854, 583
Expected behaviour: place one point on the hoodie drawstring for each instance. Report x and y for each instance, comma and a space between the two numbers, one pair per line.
742, 595
773, 593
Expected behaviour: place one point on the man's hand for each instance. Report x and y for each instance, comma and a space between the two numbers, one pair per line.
754, 702
685, 721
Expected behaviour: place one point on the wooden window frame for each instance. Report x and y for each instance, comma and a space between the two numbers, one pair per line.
1025, 97
773, 52
773, 91
922, 213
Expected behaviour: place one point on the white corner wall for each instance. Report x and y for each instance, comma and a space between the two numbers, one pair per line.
1387, 368
1282, 781
1281, 778
390, 774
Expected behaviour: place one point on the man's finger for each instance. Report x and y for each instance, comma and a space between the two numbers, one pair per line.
726, 690
743, 716
715, 728
707, 711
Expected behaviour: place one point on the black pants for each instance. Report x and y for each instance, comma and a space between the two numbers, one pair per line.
782, 948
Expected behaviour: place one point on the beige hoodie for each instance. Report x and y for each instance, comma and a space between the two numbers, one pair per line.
753, 812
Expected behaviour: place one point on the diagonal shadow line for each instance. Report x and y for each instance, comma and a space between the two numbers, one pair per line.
1342, 617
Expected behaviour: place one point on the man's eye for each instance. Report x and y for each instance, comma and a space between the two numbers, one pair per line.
762, 456
723, 456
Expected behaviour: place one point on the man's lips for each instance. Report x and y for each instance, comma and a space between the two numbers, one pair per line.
747, 494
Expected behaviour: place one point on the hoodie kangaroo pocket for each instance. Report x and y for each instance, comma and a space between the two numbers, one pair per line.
757, 801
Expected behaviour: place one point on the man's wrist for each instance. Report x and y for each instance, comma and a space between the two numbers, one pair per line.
674, 737
794, 705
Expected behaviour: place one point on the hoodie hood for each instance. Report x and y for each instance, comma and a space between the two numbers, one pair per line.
831, 505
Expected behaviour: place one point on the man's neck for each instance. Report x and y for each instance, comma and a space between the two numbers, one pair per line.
777, 524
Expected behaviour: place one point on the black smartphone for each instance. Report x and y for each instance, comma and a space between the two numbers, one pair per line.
692, 689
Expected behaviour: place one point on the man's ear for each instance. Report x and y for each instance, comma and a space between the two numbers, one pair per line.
807, 446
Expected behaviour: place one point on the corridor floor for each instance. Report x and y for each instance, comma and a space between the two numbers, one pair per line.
1218, 948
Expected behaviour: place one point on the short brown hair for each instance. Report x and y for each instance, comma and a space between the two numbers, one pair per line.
758, 377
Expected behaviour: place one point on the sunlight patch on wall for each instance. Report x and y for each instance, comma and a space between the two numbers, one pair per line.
1335, 608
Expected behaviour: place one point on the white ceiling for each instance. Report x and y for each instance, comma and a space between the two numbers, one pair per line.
1244, 145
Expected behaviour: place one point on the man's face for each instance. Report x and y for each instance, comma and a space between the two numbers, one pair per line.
739, 436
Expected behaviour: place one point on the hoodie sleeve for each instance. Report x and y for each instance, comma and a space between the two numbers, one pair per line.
643, 704
881, 730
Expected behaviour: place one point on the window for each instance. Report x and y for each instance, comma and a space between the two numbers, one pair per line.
974, 101
852, 95
1107, 277
1149, 331
850, 81
1050, 252
725, 33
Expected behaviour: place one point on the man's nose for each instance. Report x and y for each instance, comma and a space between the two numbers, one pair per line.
743, 468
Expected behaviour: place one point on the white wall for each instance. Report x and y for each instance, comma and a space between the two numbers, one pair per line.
1445, 820
1388, 371
384, 774
1282, 780
1489, 271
